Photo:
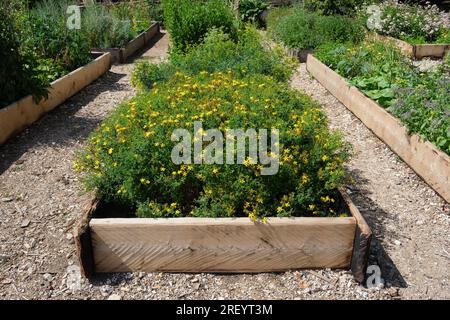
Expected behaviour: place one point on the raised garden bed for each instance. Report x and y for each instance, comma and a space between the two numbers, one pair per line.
108, 242
424, 158
120, 55
418, 51
24, 112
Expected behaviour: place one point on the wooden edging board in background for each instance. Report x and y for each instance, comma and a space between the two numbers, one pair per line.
225, 245
417, 51
18, 115
120, 55
432, 164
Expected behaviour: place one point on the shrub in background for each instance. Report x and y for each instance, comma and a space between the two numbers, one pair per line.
128, 159
19, 75
111, 28
333, 7
188, 21
306, 30
218, 52
250, 10
61, 49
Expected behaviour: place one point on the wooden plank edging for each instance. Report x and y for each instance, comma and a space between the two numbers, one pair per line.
20, 114
417, 51
430, 163
230, 245
120, 55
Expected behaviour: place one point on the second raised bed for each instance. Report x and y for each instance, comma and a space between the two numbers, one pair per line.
423, 157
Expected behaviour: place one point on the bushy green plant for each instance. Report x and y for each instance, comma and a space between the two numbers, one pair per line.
250, 10
333, 7
217, 53
105, 29
276, 14
305, 30
188, 21
425, 108
136, 13
50, 38
128, 159
155, 10
19, 74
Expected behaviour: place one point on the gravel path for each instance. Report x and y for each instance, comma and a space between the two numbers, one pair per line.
40, 201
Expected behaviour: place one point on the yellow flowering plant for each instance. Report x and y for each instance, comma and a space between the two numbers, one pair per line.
128, 159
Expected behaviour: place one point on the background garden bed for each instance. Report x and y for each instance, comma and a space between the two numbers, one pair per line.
24, 112
228, 245
120, 55
418, 51
423, 157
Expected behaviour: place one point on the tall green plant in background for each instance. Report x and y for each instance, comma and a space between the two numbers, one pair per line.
308, 30
19, 75
59, 48
250, 10
218, 53
333, 7
188, 21
105, 30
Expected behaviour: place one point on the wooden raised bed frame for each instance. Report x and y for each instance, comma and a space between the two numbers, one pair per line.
423, 157
24, 112
120, 55
224, 245
417, 51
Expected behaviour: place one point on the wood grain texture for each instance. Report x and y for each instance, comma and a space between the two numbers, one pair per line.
423, 157
24, 112
221, 245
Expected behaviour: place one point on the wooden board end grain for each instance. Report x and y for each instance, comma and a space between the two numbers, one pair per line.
424, 158
83, 240
361, 245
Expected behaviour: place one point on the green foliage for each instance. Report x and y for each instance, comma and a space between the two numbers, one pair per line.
419, 100
334, 7
188, 21
250, 10
155, 10
217, 53
50, 38
19, 74
115, 27
305, 30
425, 108
128, 160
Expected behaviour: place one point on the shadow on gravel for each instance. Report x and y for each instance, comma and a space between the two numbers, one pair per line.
377, 219
60, 126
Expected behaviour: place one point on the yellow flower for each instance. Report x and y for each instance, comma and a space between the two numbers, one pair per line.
311, 207
110, 150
